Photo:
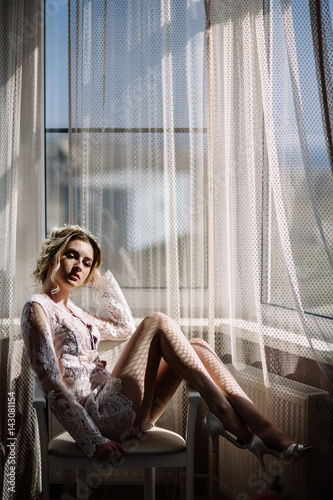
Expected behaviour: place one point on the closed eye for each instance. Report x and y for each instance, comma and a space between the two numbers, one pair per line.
70, 255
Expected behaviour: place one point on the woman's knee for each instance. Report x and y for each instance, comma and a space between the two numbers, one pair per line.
156, 320
196, 342
204, 350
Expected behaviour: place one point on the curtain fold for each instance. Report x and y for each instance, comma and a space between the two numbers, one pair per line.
20, 223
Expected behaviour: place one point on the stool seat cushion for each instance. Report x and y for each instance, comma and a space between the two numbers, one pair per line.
156, 441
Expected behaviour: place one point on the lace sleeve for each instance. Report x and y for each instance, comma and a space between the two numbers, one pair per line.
108, 294
37, 335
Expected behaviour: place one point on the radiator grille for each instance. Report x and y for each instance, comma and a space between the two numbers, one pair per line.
304, 413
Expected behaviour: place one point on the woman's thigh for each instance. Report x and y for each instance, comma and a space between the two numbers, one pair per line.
138, 364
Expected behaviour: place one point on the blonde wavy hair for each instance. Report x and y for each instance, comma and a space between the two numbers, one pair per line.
53, 247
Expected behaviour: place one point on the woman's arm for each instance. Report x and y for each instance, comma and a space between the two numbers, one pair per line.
119, 323
37, 335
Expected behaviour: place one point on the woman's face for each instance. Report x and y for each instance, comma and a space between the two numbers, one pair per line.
75, 264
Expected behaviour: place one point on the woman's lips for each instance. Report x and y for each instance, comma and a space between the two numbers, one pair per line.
74, 277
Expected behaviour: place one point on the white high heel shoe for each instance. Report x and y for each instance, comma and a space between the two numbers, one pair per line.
292, 454
214, 427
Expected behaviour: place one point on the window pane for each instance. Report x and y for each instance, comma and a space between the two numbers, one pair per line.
56, 152
56, 113
305, 172
56, 64
122, 170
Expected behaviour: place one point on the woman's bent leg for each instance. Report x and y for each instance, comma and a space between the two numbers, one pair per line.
139, 368
251, 415
167, 383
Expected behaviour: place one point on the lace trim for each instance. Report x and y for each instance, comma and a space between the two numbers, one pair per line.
108, 294
107, 404
85, 433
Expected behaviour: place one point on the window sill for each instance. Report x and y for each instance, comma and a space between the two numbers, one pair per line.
275, 338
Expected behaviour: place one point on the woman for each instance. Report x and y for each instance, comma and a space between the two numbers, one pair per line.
101, 409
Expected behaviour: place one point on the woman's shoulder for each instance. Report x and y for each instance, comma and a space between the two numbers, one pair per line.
41, 299
34, 310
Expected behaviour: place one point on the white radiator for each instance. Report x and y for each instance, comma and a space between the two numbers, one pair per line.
305, 414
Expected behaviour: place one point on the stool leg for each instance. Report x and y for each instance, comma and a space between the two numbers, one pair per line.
82, 489
149, 484
189, 483
45, 483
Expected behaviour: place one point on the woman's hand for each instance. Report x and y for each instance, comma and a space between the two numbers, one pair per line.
111, 452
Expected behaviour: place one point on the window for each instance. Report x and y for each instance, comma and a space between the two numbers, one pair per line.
134, 135
306, 177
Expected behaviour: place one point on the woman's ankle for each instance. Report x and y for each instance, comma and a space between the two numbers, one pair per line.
274, 437
232, 423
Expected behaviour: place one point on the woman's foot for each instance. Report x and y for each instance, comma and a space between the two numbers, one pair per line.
231, 422
268, 432
214, 427
289, 455
272, 436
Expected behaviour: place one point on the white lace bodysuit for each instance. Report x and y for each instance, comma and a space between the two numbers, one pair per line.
62, 348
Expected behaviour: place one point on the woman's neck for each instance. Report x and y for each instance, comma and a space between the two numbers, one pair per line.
60, 296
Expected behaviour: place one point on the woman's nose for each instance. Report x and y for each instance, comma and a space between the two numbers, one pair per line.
78, 264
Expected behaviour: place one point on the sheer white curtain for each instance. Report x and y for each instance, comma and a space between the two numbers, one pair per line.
20, 226
272, 178
196, 157
273, 212
138, 145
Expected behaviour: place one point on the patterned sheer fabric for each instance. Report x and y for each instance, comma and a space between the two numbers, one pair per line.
272, 210
20, 229
62, 347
